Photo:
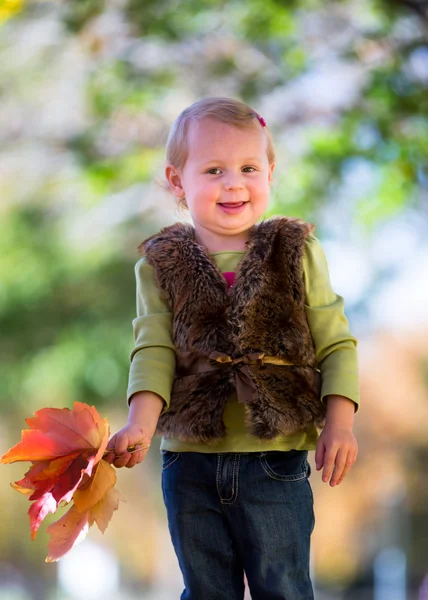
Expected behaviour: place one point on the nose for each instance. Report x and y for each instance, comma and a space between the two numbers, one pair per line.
233, 182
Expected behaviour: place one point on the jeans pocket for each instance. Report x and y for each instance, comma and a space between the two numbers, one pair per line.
168, 458
291, 465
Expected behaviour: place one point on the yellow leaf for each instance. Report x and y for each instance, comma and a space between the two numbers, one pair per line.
21, 489
103, 511
99, 484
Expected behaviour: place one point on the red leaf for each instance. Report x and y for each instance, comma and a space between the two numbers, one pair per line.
66, 448
39, 510
54, 468
53, 491
65, 532
27, 484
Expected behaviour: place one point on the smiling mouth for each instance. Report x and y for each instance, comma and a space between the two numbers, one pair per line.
232, 204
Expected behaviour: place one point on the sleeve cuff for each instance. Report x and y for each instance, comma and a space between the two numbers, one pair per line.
356, 402
153, 370
131, 392
339, 372
342, 385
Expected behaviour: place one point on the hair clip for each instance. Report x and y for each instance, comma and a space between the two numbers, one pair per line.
261, 119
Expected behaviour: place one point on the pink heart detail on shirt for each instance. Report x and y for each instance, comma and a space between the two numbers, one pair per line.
230, 278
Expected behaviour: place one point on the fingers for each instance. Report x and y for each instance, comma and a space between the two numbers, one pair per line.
128, 447
351, 458
128, 459
336, 452
319, 454
121, 445
109, 457
342, 475
122, 460
110, 449
337, 466
328, 466
118, 455
137, 457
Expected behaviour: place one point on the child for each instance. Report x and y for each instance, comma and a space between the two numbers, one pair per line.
243, 354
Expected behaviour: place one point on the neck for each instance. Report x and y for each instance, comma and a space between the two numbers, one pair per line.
213, 242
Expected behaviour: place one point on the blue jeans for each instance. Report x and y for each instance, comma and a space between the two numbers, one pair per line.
235, 512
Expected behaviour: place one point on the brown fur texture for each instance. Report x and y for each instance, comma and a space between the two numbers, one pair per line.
263, 312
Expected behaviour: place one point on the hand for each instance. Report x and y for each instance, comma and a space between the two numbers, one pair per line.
130, 436
338, 448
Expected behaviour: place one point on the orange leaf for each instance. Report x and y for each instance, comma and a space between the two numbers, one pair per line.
103, 511
81, 425
73, 526
36, 445
65, 532
66, 447
102, 480
56, 432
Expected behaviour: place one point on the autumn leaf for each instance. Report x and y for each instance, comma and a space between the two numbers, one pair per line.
52, 492
56, 432
52, 468
27, 485
39, 510
65, 532
103, 479
66, 447
102, 512
96, 502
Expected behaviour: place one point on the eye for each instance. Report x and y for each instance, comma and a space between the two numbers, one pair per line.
248, 169
214, 171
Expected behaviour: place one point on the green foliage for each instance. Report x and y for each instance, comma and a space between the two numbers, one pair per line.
65, 315
65, 321
111, 175
77, 14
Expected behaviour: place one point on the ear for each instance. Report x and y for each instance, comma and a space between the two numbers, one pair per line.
173, 177
271, 170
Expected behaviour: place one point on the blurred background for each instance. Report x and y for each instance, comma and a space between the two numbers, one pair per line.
88, 89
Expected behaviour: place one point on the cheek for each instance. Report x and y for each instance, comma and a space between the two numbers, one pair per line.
262, 186
206, 190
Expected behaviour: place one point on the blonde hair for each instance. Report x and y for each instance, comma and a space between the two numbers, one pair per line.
226, 110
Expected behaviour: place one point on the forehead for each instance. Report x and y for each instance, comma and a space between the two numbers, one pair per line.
210, 138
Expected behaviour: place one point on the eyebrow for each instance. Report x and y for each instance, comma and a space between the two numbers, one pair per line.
218, 160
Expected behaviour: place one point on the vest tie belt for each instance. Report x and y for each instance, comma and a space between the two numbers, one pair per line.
245, 386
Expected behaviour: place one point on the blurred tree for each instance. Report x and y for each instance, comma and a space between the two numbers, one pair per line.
87, 92
63, 319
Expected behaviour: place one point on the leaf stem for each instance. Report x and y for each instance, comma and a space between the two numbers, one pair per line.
130, 449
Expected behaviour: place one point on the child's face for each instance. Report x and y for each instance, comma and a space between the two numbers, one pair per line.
226, 181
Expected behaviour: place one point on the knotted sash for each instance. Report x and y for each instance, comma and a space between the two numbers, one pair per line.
245, 386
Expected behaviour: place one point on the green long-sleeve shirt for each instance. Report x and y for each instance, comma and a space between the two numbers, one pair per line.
153, 357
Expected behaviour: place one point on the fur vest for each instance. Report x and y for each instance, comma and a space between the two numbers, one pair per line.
262, 314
